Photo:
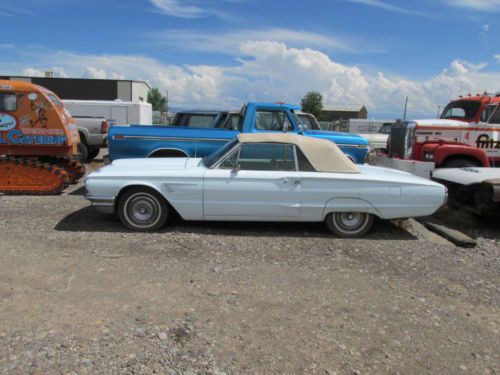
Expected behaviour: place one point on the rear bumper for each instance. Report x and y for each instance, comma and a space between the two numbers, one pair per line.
103, 203
97, 140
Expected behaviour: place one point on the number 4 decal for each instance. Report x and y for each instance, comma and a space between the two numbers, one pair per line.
467, 136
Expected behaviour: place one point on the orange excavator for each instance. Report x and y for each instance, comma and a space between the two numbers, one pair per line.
38, 141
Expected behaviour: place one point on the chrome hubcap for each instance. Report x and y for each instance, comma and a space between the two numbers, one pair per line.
350, 220
143, 210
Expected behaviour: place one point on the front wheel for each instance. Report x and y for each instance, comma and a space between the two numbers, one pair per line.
143, 209
349, 224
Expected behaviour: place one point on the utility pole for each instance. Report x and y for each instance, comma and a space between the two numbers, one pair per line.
439, 110
406, 107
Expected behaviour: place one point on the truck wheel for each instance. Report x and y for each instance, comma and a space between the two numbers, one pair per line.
459, 163
349, 224
83, 152
143, 209
93, 152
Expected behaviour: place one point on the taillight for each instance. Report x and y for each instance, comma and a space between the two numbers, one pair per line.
104, 127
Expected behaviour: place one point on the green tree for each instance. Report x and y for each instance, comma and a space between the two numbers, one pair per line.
157, 100
312, 102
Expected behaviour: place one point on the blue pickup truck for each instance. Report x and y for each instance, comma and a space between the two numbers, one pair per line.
139, 141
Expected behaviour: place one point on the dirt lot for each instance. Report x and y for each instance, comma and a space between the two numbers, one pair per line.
81, 295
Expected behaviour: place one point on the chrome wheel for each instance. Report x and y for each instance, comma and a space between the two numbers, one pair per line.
143, 210
349, 224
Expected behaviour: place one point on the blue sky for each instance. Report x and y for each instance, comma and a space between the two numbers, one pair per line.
220, 53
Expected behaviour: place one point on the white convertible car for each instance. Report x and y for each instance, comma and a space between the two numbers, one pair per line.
262, 177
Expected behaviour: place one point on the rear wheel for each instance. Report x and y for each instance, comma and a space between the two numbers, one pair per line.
143, 209
83, 152
93, 152
459, 163
349, 224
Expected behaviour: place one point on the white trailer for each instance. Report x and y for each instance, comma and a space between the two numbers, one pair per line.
362, 126
120, 112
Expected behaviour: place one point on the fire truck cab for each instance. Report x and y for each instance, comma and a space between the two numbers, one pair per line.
466, 135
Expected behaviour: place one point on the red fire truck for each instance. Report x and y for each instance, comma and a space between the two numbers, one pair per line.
466, 135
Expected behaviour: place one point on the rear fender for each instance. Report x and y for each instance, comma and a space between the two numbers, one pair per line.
349, 205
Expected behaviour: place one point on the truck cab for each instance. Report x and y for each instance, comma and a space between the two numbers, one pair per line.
466, 135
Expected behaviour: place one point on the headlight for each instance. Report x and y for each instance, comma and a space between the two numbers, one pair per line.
428, 156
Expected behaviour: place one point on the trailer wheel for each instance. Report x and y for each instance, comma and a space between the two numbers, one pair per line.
349, 224
143, 209
459, 163
83, 152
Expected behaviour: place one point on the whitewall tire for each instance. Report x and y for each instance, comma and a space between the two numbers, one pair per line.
143, 209
349, 224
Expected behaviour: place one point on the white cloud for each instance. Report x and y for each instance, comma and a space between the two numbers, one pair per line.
387, 6
497, 57
479, 5
229, 42
56, 70
273, 71
178, 8
91, 72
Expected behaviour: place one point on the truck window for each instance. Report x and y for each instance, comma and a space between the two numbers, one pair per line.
306, 121
461, 110
8, 102
272, 120
494, 115
201, 121
234, 122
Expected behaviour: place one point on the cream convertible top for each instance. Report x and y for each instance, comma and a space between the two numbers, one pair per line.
324, 155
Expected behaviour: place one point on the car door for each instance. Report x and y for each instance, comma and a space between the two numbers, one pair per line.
257, 181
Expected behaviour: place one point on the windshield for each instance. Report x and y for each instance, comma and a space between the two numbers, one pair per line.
461, 110
210, 160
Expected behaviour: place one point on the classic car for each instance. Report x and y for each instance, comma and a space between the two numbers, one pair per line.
262, 177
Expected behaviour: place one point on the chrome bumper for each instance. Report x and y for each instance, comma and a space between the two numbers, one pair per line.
103, 203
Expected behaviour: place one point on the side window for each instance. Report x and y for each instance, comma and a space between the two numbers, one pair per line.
235, 122
8, 102
272, 120
266, 157
201, 121
304, 164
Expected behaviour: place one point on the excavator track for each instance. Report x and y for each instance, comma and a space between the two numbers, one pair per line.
73, 167
19, 176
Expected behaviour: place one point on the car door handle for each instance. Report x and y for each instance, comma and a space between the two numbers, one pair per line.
289, 180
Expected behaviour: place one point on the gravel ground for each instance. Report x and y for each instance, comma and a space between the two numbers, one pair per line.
81, 295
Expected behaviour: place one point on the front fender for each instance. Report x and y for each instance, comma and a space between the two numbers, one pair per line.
349, 205
442, 152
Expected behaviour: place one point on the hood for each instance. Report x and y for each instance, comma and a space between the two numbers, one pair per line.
337, 137
467, 176
440, 122
150, 163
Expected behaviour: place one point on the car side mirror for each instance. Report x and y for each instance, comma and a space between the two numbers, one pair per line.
236, 168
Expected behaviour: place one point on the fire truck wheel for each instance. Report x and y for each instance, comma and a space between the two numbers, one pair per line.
459, 163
